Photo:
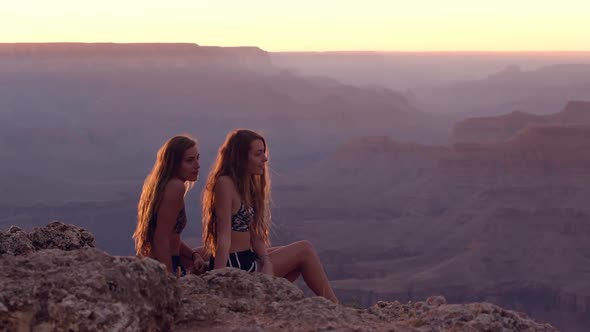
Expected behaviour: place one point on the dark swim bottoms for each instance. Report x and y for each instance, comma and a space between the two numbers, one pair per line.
244, 260
177, 264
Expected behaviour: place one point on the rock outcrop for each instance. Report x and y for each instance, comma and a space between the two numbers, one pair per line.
56, 235
232, 299
84, 290
87, 290
436, 315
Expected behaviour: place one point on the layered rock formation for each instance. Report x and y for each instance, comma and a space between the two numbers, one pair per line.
504, 127
544, 148
539, 91
506, 222
81, 288
116, 103
53, 56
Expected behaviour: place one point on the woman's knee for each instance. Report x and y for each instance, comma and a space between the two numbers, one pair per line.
306, 248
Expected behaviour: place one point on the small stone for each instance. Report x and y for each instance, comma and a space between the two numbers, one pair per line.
436, 300
14, 229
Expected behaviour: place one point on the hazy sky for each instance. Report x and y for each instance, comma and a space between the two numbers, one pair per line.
305, 25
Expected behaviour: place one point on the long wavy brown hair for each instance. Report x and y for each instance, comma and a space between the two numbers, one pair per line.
254, 190
168, 160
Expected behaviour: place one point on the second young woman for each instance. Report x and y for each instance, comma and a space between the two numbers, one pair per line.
236, 217
161, 216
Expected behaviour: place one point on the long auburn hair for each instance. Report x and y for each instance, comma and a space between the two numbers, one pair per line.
254, 190
168, 160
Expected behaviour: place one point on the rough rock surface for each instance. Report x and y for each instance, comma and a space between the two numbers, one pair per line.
88, 290
84, 290
436, 315
56, 235
233, 300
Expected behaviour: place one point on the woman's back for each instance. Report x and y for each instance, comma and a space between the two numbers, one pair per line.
170, 219
161, 216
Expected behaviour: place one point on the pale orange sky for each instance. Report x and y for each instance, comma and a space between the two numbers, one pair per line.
307, 25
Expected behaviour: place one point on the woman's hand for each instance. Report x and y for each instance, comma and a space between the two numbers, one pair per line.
199, 266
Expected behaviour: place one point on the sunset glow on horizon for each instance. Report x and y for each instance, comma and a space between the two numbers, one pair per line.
380, 25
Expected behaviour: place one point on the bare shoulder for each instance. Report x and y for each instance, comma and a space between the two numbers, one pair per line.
174, 190
225, 183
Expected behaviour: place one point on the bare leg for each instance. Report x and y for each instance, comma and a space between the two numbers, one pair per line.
291, 276
301, 256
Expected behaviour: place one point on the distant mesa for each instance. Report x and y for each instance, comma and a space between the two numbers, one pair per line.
515, 143
144, 53
82, 49
503, 127
509, 72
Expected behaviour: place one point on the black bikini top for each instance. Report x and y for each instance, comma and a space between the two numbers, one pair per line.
180, 221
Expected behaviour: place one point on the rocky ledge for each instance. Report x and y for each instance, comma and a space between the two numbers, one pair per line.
53, 279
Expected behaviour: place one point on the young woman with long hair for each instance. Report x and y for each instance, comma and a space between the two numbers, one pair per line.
237, 220
161, 217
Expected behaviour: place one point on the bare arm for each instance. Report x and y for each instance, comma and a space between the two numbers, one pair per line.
195, 256
223, 199
185, 250
192, 253
172, 202
260, 249
258, 246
